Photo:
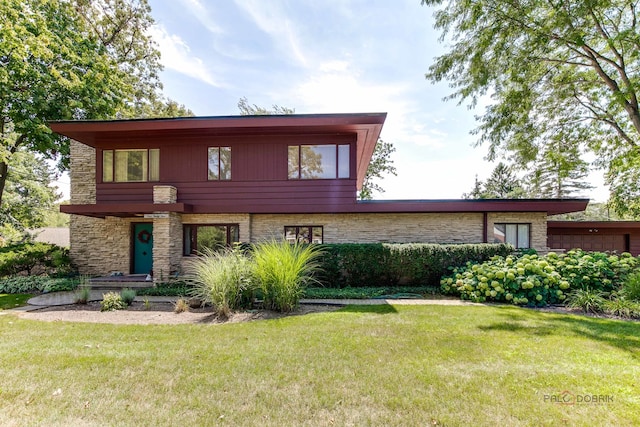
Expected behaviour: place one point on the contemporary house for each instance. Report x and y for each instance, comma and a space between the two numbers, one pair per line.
148, 194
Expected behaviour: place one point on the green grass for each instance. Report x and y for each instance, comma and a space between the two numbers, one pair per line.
371, 292
8, 301
363, 365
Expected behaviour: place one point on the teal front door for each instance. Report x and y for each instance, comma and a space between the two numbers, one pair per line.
142, 248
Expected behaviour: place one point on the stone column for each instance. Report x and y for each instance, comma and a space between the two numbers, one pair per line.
167, 235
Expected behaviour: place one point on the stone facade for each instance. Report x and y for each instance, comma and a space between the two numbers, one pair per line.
377, 227
101, 246
538, 221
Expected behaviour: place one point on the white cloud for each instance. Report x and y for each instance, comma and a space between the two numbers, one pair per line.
273, 21
201, 13
176, 55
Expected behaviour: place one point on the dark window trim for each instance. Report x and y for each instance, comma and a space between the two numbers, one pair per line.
517, 231
113, 165
337, 171
310, 227
219, 174
194, 236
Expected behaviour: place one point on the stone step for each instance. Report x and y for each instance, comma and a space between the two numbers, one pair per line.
133, 281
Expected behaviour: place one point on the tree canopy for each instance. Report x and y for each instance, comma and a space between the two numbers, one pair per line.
502, 184
381, 162
72, 60
557, 72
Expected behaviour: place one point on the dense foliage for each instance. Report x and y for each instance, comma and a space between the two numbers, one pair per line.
283, 271
34, 258
223, 279
539, 280
411, 264
35, 284
563, 79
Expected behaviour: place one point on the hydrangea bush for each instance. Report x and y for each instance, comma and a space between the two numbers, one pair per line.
531, 279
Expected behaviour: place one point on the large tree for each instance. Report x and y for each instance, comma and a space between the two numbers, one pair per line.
502, 184
381, 162
29, 195
557, 72
72, 59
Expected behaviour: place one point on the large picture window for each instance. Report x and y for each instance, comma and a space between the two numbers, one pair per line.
303, 234
517, 235
197, 238
138, 165
219, 161
318, 161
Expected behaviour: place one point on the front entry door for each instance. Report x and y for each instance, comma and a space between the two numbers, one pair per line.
142, 248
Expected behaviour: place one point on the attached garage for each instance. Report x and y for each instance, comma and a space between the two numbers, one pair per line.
601, 236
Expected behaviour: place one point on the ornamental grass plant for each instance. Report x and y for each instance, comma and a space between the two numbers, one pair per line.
283, 271
222, 278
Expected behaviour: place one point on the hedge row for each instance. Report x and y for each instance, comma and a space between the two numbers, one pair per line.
413, 264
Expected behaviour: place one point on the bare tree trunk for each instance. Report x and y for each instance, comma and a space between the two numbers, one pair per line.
4, 168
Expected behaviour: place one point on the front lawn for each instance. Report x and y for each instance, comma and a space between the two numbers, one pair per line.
364, 365
8, 301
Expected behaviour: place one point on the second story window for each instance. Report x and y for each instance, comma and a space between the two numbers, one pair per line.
139, 165
318, 161
219, 161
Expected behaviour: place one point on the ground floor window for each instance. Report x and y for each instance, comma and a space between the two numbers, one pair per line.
518, 235
303, 234
197, 238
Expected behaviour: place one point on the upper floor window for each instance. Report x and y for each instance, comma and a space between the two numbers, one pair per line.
219, 161
318, 161
137, 165
517, 235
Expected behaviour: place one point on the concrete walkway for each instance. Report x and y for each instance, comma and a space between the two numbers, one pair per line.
66, 298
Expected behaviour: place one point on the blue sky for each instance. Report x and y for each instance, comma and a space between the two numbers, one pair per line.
330, 56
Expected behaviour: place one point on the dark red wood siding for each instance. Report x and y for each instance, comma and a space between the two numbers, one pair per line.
259, 175
601, 236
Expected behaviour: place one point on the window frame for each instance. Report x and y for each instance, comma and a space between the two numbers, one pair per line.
517, 236
218, 175
109, 174
193, 236
337, 172
311, 233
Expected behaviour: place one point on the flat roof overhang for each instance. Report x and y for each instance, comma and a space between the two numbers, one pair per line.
547, 206
124, 209
366, 127
608, 225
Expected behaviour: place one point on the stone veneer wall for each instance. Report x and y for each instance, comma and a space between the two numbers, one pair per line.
167, 246
401, 227
538, 221
378, 227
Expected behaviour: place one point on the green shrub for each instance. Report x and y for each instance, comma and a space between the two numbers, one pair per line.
176, 288
128, 296
34, 284
283, 271
411, 264
534, 280
34, 258
223, 279
589, 300
622, 307
631, 287
372, 292
112, 301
